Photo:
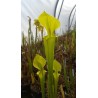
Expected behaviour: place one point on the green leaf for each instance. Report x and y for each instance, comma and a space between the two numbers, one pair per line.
39, 62
49, 43
56, 66
41, 73
36, 22
49, 22
56, 75
30, 64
